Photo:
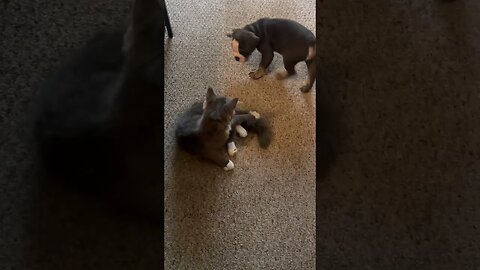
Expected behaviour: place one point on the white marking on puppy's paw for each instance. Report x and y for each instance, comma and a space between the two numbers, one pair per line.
229, 166
232, 149
241, 131
255, 114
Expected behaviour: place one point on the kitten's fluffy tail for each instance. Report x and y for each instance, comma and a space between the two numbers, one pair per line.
262, 128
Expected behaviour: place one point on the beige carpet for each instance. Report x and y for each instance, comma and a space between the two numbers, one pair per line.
261, 215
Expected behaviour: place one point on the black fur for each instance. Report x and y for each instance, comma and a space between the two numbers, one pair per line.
287, 37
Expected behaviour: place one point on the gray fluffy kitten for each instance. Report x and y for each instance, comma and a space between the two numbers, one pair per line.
205, 130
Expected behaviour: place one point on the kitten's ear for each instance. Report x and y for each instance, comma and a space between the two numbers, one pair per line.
234, 102
210, 94
230, 106
144, 37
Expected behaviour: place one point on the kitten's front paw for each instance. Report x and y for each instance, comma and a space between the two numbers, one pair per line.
257, 74
255, 114
241, 131
229, 166
232, 149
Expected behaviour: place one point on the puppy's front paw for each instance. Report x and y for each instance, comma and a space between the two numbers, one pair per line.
257, 74
229, 166
232, 149
241, 131
254, 75
255, 114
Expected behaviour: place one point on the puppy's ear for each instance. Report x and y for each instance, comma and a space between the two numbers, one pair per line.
230, 35
254, 38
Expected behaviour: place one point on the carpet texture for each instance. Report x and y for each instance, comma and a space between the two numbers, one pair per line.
403, 78
398, 88
261, 215
43, 226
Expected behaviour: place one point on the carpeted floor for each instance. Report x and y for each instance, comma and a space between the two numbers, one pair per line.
42, 226
398, 88
262, 214
403, 78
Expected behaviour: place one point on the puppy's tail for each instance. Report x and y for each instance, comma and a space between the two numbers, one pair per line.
263, 130
312, 52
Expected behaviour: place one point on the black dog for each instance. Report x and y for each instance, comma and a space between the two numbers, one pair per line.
292, 40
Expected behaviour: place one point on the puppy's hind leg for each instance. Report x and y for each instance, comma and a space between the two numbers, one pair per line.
311, 66
289, 69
